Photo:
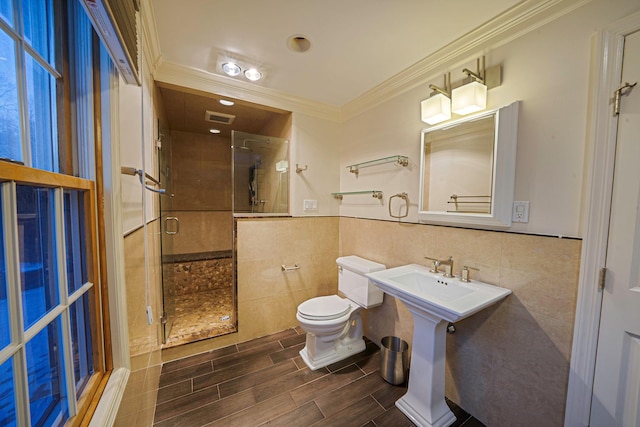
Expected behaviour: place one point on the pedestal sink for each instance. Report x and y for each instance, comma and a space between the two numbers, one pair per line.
434, 301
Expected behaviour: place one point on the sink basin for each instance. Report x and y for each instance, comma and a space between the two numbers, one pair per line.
434, 301
447, 298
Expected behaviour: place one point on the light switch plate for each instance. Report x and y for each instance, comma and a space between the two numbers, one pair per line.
520, 212
310, 205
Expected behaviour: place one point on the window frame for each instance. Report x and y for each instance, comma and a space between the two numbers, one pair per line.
69, 150
10, 176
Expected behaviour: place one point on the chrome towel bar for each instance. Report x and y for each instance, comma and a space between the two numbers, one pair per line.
127, 170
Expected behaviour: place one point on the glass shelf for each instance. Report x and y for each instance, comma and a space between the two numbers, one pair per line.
401, 160
374, 193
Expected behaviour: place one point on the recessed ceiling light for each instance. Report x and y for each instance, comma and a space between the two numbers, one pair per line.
231, 69
226, 102
253, 74
298, 43
212, 130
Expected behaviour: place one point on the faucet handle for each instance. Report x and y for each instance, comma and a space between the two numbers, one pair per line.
436, 264
464, 274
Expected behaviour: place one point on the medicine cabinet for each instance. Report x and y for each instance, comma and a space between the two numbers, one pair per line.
467, 170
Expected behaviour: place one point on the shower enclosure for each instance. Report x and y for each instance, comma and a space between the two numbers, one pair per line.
210, 179
260, 174
197, 244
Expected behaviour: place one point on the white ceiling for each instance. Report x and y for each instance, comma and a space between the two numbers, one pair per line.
356, 44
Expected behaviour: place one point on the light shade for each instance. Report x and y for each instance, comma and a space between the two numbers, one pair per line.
436, 109
469, 98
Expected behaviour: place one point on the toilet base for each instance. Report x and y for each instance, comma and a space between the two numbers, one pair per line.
340, 353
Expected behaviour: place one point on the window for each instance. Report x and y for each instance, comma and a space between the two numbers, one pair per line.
52, 357
48, 303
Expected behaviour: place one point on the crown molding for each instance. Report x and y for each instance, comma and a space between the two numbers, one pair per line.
176, 74
149, 35
522, 19
510, 25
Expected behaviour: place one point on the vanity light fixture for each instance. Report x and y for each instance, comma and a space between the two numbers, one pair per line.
437, 108
253, 74
231, 69
472, 95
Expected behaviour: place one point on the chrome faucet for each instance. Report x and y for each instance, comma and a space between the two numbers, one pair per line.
447, 263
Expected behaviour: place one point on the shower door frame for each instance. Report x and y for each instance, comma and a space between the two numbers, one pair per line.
166, 238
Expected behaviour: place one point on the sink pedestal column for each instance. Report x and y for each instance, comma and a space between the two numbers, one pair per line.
424, 401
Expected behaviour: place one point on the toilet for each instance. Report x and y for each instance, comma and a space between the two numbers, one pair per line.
334, 324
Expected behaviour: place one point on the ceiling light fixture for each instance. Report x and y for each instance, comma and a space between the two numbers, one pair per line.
472, 95
214, 131
437, 108
253, 74
298, 44
226, 102
232, 69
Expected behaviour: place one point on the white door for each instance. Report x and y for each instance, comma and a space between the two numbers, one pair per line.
616, 389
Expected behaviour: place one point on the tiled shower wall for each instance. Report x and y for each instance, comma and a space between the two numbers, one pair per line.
509, 364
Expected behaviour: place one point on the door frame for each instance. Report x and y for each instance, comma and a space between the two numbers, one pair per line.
606, 71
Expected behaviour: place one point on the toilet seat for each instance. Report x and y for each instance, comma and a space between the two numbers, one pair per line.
324, 308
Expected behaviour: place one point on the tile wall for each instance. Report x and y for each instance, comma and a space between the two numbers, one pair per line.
138, 402
517, 351
509, 364
267, 296
144, 339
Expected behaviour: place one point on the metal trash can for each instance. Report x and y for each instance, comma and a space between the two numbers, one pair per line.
394, 360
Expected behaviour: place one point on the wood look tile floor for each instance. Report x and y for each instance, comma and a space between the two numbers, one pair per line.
265, 382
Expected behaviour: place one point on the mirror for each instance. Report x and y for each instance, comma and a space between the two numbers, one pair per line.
260, 175
467, 170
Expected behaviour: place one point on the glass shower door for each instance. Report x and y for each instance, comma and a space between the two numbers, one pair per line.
169, 227
260, 174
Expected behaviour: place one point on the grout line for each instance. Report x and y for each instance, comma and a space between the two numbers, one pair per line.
199, 407
376, 400
324, 416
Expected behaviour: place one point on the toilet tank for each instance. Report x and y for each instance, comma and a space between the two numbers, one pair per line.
353, 283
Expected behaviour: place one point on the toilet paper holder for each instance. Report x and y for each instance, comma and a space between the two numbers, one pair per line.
294, 267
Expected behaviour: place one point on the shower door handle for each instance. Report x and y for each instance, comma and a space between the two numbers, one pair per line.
166, 225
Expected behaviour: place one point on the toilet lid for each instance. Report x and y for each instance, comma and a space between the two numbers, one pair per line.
324, 308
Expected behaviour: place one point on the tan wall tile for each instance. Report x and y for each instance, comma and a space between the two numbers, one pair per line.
144, 339
200, 231
518, 349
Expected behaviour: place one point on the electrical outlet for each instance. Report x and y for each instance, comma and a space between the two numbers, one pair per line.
520, 212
